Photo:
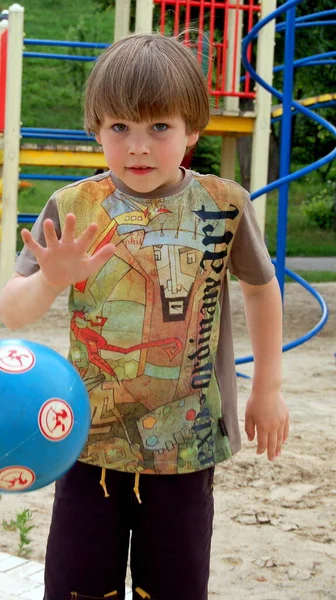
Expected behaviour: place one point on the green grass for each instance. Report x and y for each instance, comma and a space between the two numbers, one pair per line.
315, 276
52, 97
303, 239
52, 89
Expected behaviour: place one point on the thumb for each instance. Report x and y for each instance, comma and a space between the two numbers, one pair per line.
98, 259
249, 427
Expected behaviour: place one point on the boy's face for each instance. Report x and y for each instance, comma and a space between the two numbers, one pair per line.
146, 156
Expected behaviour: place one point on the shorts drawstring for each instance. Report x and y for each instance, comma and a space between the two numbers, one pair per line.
141, 593
136, 490
74, 595
103, 483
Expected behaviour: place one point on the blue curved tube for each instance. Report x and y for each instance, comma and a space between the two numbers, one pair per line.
56, 136
67, 44
323, 13
291, 22
58, 131
285, 156
313, 107
312, 332
35, 176
59, 56
281, 26
305, 21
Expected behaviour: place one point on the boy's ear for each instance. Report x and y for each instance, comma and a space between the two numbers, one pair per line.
98, 138
192, 138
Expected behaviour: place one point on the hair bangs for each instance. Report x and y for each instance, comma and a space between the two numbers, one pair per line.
143, 78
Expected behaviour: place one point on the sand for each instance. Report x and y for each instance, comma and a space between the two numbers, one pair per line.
275, 524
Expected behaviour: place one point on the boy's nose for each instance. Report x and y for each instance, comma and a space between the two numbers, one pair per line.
138, 146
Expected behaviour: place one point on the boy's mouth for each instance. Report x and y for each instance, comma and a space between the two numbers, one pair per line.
140, 170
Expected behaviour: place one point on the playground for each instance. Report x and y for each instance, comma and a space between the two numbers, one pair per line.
275, 529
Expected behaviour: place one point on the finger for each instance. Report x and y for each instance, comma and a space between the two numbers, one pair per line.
101, 257
49, 233
32, 244
68, 232
262, 442
279, 443
86, 238
249, 428
286, 431
272, 445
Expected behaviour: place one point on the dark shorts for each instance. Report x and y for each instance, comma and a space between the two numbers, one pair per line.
169, 536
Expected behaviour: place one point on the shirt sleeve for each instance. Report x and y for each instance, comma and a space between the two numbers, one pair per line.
249, 259
26, 263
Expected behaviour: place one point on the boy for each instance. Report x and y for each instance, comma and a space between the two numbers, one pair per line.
145, 248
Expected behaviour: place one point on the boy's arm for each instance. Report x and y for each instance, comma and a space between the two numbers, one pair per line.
26, 299
266, 411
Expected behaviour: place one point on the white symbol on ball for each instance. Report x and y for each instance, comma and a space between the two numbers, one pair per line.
16, 359
16, 478
55, 419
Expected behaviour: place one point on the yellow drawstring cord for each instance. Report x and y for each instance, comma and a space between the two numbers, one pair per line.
136, 490
103, 484
74, 595
142, 593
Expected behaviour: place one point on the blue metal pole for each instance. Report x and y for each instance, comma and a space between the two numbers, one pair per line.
285, 147
64, 43
59, 56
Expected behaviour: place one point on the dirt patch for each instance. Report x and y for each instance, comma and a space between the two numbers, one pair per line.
275, 525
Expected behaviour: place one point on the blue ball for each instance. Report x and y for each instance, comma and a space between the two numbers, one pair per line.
44, 415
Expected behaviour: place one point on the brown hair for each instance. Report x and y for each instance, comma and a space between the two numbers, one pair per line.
145, 77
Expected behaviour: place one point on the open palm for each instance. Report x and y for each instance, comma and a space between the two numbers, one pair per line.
65, 261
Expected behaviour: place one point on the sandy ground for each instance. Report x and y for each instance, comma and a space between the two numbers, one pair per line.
275, 525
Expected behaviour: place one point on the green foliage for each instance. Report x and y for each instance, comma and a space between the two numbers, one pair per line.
310, 141
315, 276
52, 98
320, 208
206, 157
21, 524
52, 89
78, 71
303, 238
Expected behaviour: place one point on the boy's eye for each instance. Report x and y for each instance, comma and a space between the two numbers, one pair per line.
160, 127
120, 127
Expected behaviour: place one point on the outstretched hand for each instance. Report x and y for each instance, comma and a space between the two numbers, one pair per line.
65, 261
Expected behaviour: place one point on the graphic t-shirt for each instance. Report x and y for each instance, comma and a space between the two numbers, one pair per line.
150, 333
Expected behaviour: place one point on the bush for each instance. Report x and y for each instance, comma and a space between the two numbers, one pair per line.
206, 156
320, 208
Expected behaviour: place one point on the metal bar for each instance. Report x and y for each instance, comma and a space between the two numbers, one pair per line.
11, 142
42, 177
53, 136
285, 145
49, 130
177, 18
187, 21
67, 44
212, 27
122, 19
59, 56
201, 29
235, 48
3, 71
207, 4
